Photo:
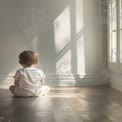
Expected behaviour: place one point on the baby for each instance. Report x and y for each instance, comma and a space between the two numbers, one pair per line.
29, 80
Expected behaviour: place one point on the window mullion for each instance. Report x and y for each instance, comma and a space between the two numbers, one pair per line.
118, 29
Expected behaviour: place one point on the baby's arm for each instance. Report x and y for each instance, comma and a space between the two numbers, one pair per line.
42, 81
16, 78
16, 82
42, 77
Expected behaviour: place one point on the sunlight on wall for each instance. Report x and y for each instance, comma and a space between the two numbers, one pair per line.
80, 56
80, 38
8, 80
64, 64
62, 30
62, 42
79, 15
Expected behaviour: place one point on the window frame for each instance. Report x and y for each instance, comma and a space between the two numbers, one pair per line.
118, 30
112, 30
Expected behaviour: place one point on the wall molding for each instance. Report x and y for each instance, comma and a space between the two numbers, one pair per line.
116, 84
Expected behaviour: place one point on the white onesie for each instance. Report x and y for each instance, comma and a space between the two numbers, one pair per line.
30, 82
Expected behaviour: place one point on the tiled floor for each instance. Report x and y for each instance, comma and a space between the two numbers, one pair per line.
64, 104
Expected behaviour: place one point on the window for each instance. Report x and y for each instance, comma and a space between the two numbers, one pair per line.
120, 31
113, 31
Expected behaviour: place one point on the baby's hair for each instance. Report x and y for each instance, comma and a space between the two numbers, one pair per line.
28, 58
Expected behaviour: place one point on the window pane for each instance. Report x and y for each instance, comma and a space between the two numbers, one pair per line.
120, 30
113, 32
113, 47
121, 14
121, 46
113, 15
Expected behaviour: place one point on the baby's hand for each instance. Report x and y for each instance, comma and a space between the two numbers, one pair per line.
42, 81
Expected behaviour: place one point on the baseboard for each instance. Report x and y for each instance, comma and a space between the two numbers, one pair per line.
116, 84
63, 80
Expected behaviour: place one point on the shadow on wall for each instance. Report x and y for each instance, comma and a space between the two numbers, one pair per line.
55, 29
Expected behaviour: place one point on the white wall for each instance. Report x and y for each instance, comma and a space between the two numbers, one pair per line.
69, 35
116, 76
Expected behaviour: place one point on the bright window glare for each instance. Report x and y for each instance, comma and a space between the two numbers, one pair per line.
80, 38
62, 40
80, 56
79, 15
62, 30
64, 64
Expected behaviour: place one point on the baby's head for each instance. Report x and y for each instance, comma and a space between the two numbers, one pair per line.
28, 58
